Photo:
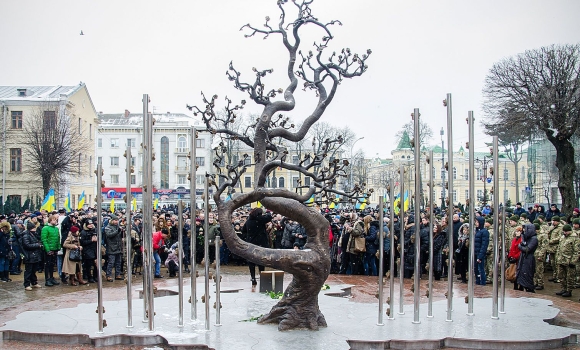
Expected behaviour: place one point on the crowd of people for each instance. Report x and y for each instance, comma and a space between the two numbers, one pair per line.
65, 244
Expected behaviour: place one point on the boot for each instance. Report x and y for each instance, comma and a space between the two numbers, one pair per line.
72, 280
81, 282
3, 277
567, 294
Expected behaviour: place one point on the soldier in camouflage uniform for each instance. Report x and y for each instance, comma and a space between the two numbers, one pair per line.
489, 253
523, 219
540, 255
576, 230
567, 258
554, 235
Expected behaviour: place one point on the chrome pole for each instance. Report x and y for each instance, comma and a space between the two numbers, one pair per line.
417, 279
471, 260
431, 223
129, 170
206, 249
392, 252
148, 211
381, 257
217, 282
402, 241
494, 293
193, 234
450, 209
99, 245
180, 256
503, 253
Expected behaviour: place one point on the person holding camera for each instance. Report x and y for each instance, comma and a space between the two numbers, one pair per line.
89, 243
32, 250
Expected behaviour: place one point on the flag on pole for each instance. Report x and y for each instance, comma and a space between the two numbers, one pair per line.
81, 201
155, 203
67, 203
310, 201
48, 203
134, 204
406, 203
258, 205
396, 204
112, 206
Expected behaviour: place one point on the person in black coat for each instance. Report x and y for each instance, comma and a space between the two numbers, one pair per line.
409, 246
527, 263
32, 250
88, 241
424, 247
480, 246
254, 231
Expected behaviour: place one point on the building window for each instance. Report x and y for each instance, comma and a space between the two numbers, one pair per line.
131, 142
181, 163
454, 196
80, 162
114, 143
523, 173
133, 160
199, 179
199, 143
90, 166
114, 161
295, 181
295, 160
466, 194
133, 179
442, 173
100, 160
307, 181
505, 174
248, 160
99, 143
200, 161
182, 142
80, 126
16, 159
114, 179
49, 119
281, 182
480, 195
16, 119
90, 131
164, 181
454, 173
466, 176
479, 174
181, 179
274, 182
247, 181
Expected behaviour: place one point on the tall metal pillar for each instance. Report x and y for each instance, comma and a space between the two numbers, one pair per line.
148, 212
206, 249
503, 254
381, 260
431, 223
494, 293
128, 268
402, 241
471, 213
393, 250
450, 209
181, 252
99, 172
417, 275
193, 235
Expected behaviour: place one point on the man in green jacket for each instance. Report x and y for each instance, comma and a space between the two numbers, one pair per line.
554, 235
50, 238
567, 258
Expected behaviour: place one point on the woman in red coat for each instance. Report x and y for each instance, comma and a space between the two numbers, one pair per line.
514, 254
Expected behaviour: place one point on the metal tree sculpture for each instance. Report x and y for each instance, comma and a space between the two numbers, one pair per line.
298, 308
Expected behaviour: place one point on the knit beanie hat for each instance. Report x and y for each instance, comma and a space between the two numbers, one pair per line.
515, 218
30, 225
537, 221
576, 222
567, 228
489, 221
537, 226
523, 215
555, 218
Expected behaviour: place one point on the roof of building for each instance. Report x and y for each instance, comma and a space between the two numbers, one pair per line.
405, 142
37, 93
120, 119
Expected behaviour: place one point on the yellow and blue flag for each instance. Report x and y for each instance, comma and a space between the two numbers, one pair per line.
49, 204
81, 201
155, 203
134, 204
310, 201
67, 203
112, 206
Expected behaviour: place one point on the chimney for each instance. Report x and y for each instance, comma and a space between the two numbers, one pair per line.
127, 113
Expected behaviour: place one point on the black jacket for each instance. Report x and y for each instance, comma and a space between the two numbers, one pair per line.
31, 247
527, 263
254, 230
89, 247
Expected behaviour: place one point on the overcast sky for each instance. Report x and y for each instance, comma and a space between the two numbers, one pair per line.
173, 50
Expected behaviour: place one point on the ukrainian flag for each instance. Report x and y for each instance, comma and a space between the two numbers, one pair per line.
67, 203
406, 205
49, 204
396, 204
258, 204
112, 206
310, 201
81, 201
134, 204
155, 203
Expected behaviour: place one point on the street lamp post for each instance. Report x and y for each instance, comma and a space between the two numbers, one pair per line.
482, 163
351, 159
442, 167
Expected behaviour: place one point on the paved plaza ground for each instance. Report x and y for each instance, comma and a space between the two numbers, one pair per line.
15, 300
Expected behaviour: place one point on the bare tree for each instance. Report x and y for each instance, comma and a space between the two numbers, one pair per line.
54, 144
424, 130
512, 141
298, 308
543, 87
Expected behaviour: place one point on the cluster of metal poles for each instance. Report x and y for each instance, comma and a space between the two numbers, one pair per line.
498, 291
147, 236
